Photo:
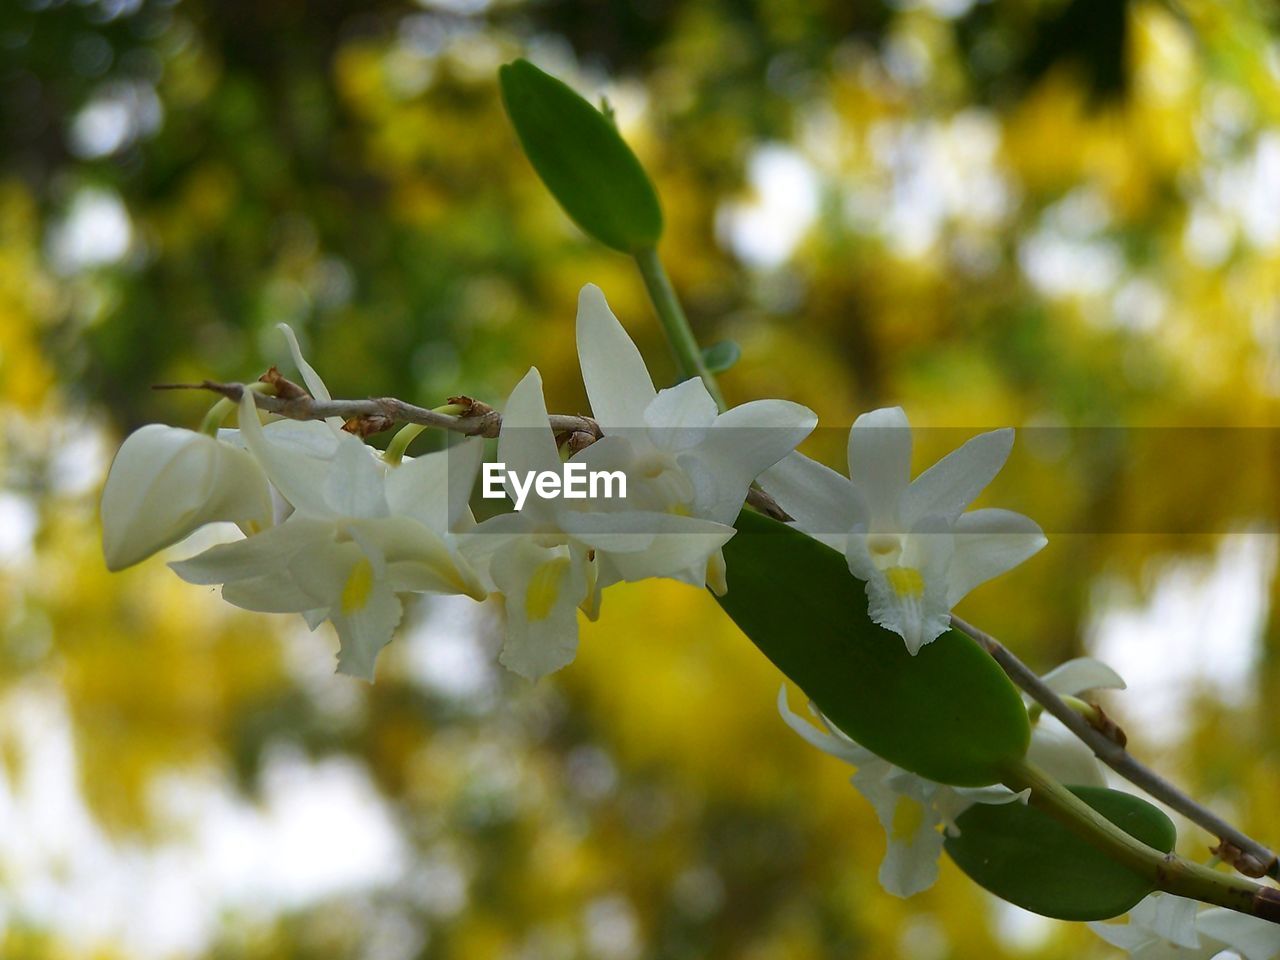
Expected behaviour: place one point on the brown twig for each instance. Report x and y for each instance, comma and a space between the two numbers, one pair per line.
1242, 852
480, 420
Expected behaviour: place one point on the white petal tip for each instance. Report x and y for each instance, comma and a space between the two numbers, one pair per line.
348, 669
883, 417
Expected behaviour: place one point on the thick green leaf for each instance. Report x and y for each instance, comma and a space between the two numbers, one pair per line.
719, 357
949, 713
1023, 855
582, 159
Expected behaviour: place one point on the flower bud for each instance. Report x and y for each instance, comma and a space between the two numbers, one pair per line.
167, 482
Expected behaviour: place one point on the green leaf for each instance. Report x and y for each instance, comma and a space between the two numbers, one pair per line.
582, 159
719, 357
1023, 855
949, 713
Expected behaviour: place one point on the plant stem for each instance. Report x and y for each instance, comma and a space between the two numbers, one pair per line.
220, 411
400, 443
409, 432
675, 324
217, 416
1165, 871
487, 423
1260, 860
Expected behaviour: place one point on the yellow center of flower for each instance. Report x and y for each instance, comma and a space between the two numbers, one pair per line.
882, 544
906, 581
544, 588
655, 465
358, 588
908, 815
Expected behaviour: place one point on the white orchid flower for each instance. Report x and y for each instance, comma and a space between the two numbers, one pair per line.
362, 532
680, 454
911, 541
1053, 746
166, 482
554, 556
1167, 927
916, 813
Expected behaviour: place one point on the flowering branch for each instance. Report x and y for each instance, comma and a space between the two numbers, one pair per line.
1239, 850
375, 414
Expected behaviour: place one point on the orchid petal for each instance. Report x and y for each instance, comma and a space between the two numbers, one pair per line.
1062, 755
617, 381
354, 486
309, 376
327, 569
631, 531
542, 588
357, 598
918, 620
525, 443
496, 535
837, 746
910, 597
301, 479
365, 630
614, 452
417, 559
1169, 917
670, 546
914, 843
1126, 936
1081, 675
310, 438
315, 386
165, 483
987, 544
818, 498
955, 481
261, 555
1255, 939
435, 488
745, 442
680, 416
996, 794
880, 461
270, 593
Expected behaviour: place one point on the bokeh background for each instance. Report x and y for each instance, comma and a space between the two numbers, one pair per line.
1054, 214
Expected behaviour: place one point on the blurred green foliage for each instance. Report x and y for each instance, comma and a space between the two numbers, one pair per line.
1036, 212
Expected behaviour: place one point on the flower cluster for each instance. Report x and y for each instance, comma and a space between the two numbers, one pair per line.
338, 532
352, 531
917, 813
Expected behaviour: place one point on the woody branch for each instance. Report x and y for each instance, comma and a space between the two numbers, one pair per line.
377, 414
